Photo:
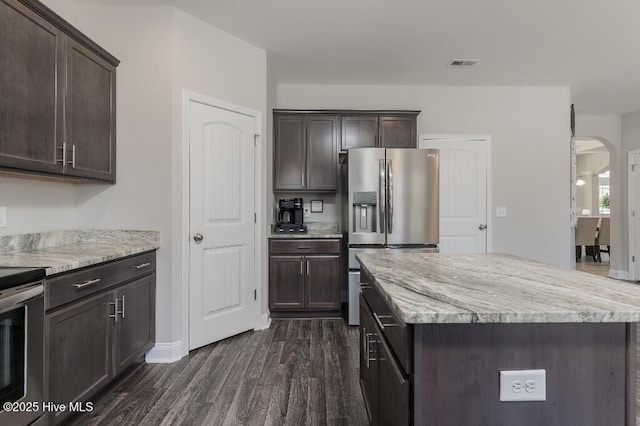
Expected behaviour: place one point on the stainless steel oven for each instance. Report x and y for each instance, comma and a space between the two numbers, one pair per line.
21, 353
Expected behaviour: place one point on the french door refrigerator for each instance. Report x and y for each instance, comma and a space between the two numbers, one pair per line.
390, 201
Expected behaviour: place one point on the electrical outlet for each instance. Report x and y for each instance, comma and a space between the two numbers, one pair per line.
3, 217
307, 212
523, 385
501, 212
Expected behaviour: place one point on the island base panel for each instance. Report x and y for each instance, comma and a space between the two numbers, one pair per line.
590, 373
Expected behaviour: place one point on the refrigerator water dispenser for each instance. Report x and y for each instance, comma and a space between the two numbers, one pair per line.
364, 211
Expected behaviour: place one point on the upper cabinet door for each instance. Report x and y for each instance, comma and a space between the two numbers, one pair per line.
398, 132
90, 114
322, 153
359, 131
31, 66
289, 156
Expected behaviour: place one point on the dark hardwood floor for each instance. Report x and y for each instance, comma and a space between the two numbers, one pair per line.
298, 372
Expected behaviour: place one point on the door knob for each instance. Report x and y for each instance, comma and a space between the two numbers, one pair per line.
482, 227
197, 237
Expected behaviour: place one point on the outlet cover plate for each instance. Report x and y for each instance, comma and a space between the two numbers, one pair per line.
501, 212
523, 385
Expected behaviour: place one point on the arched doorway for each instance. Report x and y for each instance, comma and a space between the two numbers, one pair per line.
594, 192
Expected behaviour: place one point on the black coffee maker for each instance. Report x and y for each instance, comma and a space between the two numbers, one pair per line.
290, 216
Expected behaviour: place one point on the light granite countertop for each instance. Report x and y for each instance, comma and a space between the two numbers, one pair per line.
494, 288
62, 251
315, 230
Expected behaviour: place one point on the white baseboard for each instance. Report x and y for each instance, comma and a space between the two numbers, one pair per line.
163, 353
265, 322
618, 275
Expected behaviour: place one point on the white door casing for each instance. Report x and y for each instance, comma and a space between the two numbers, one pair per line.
464, 192
634, 213
222, 206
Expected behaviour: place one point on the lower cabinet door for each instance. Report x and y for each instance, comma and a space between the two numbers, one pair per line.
368, 361
323, 282
136, 323
394, 389
286, 282
78, 355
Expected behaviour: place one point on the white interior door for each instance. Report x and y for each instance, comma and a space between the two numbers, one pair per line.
634, 214
463, 194
222, 280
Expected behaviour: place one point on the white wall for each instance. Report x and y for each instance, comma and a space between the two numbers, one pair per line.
162, 51
630, 141
608, 130
37, 206
211, 62
529, 127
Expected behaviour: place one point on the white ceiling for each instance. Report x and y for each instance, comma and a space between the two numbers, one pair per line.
590, 45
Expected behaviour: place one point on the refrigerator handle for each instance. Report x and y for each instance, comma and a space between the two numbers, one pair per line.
382, 192
390, 195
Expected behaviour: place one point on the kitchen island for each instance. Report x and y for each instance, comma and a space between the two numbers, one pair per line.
437, 330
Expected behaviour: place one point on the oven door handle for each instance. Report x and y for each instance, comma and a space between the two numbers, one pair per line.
18, 299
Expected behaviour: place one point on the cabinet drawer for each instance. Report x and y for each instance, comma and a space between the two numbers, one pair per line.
67, 287
131, 267
302, 247
397, 333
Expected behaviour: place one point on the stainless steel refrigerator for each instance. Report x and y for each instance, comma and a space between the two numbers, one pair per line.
390, 201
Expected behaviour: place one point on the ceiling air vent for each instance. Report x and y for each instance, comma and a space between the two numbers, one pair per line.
463, 63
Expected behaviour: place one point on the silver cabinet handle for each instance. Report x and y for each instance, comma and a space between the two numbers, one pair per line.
381, 324
382, 192
73, 156
482, 227
197, 237
368, 351
301, 268
142, 265
390, 194
122, 311
302, 179
115, 310
304, 248
307, 267
64, 154
87, 283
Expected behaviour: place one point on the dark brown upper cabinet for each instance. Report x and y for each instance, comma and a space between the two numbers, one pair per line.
57, 109
375, 130
305, 152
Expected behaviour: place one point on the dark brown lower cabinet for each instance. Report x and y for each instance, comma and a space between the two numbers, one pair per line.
304, 277
136, 328
385, 386
92, 339
79, 357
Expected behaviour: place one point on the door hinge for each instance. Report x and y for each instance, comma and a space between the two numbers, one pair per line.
255, 294
633, 167
633, 213
255, 140
255, 217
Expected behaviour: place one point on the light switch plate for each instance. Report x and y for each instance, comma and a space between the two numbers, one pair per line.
501, 212
3, 217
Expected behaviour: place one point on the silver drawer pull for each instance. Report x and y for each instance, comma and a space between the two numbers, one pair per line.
115, 310
142, 265
122, 311
365, 286
304, 248
381, 324
87, 283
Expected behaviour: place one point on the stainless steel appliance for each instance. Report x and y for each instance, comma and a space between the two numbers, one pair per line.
390, 201
290, 216
21, 345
